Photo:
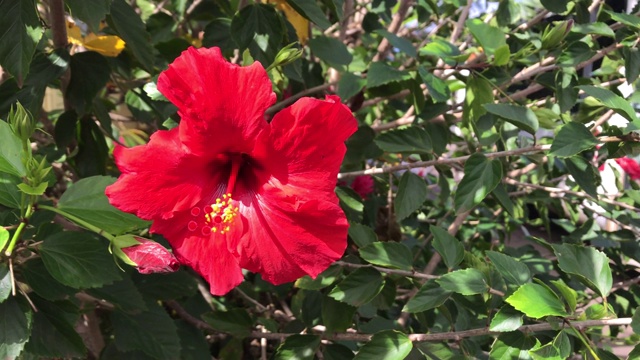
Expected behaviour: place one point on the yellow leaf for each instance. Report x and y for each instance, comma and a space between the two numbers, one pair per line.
74, 34
299, 22
107, 45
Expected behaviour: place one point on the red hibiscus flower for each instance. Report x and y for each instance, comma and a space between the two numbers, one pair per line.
629, 166
151, 257
230, 190
363, 185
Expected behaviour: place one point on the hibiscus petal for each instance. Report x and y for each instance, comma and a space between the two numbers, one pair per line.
160, 178
310, 136
207, 255
289, 235
217, 100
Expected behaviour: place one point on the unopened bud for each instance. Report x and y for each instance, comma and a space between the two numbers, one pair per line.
285, 56
553, 36
21, 123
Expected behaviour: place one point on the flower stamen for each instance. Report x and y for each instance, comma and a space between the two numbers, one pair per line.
215, 218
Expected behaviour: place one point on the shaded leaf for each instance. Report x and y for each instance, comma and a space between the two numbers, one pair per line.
234, 321
481, 176
506, 319
385, 345
465, 282
21, 31
331, 50
298, 347
388, 254
520, 116
573, 138
15, 328
451, 250
89, 11
412, 192
511, 269
409, 140
589, 265
430, 295
381, 73
78, 260
359, 287
130, 28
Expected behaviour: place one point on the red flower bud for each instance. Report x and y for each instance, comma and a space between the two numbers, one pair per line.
151, 257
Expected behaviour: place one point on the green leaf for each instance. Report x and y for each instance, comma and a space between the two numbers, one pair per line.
323, 280
78, 260
349, 85
412, 192
569, 295
631, 63
481, 176
259, 28
635, 353
489, 37
520, 116
566, 92
615, 102
86, 200
359, 287
11, 152
337, 352
152, 332
9, 193
4, 238
330, 50
170, 286
584, 173
589, 265
596, 28
40, 280
513, 345
234, 321
388, 254
479, 92
129, 27
31, 190
430, 295
362, 235
385, 345
414, 140
21, 31
501, 55
626, 19
536, 301
464, 282
298, 347
89, 11
438, 88
506, 319
451, 250
441, 49
15, 328
310, 10
559, 348
5, 278
511, 269
123, 294
381, 73
573, 138
336, 315
53, 334
402, 44
635, 321
89, 74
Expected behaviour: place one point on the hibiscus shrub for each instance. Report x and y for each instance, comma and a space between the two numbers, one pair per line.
299, 179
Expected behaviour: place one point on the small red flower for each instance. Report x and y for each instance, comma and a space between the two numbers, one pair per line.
629, 166
151, 257
363, 185
231, 191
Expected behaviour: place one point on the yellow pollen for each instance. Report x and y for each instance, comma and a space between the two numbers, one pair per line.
222, 214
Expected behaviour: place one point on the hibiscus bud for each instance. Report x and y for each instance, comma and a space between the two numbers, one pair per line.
21, 123
552, 37
286, 55
150, 257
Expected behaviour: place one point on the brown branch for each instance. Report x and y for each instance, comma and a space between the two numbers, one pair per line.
60, 41
457, 160
457, 30
452, 335
393, 28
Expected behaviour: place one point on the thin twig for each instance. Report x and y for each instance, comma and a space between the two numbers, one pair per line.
412, 273
457, 160
290, 100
